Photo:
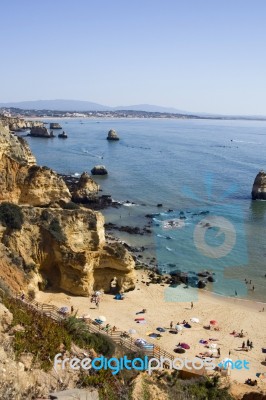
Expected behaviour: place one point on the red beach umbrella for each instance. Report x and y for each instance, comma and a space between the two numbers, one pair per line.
185, 346
213, 322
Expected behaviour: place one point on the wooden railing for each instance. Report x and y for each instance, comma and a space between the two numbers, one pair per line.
121, 338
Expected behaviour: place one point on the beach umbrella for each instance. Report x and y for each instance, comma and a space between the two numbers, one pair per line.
185, 346
160, 329
213, 322
86, 316
178, 327
196, 320
132, 331
213, 345
102, 318
212, 351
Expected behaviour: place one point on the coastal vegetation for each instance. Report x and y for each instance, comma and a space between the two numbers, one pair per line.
11, 215
44, 338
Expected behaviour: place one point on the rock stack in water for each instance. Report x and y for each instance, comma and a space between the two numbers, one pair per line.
112, 135
40, 131
259, 187
85, 188
99, 170
55, 125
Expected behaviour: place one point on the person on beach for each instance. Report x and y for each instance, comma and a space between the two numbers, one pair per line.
243, 345
171, 324
97, 302
191, 305
229, 353
219, 351
235, 293
248, 343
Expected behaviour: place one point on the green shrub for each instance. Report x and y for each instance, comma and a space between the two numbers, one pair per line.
56, 230
31, 294
11, 215
83, 338
41, 337
70, 206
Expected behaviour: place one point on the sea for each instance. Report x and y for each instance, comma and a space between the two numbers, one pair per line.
199, 171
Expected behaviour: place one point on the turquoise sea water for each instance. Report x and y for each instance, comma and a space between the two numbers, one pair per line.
190, 166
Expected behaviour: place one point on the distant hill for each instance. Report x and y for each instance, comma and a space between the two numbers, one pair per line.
57, 105
79, 106
150, 108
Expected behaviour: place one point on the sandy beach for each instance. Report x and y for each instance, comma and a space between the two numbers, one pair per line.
231, 314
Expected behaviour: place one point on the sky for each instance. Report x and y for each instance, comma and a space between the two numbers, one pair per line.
194, 55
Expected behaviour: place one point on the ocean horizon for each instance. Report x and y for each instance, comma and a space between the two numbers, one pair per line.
191, 167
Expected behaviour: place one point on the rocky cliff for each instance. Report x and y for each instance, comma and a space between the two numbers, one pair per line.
259, 187
66, 249
60, 247
21, 180
17, 124
84, 189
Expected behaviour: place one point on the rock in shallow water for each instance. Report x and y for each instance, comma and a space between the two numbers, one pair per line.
99, 170
259, 187
112, 135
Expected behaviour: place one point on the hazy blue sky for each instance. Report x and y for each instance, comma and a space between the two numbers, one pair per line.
195, 55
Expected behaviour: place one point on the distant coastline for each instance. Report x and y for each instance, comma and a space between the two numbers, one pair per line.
121, 114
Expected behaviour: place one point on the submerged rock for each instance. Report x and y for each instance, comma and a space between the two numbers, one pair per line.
259, 187
112, 135
99, 170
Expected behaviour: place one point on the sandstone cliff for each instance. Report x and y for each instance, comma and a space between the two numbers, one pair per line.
16, 124
67, 249
64, 248
21, 180
85, 187
259, 187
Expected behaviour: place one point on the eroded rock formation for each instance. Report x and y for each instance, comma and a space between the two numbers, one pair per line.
112, 135
259, 187
18, 124
21, 180
85, 188
41, 131
64, 247
55, 125
68, 249
99, 170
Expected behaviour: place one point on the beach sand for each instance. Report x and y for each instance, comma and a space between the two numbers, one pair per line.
231, 314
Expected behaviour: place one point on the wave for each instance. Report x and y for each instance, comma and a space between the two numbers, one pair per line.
169, 248
128, 204
244, 141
